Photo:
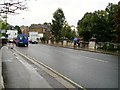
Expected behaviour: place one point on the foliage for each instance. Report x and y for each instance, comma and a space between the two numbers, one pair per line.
117, 23
84, 27
3, 26
99, 24
67, 32
18, 29
110, 46
57, 23
111, 9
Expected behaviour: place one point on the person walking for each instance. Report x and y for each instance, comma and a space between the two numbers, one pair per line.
75, 42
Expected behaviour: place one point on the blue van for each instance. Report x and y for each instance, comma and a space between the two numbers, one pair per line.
22, 40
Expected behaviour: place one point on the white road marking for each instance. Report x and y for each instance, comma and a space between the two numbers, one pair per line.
17, 58
95, 59
7, 60
87, 57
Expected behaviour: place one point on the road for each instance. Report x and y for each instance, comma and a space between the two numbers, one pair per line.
89, 69
19, 73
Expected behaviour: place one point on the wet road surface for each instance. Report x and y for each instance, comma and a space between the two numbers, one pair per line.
89, 69
18, 73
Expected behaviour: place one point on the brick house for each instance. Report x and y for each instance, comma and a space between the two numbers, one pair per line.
24, 30
41, 29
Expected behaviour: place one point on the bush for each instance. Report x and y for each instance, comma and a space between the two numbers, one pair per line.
109, 46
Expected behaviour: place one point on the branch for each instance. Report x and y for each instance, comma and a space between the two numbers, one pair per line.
12, 7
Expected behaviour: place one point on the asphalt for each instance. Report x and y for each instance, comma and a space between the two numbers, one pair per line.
86, 49
91, 68
91, 50
19, 72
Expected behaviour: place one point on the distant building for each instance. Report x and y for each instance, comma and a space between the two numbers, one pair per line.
41, 29
74, 29
24, 29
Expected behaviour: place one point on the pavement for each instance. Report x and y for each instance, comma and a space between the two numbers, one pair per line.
18, 73
1, 77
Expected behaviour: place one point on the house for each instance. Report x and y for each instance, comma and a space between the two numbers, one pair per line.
75, 30
43, 29
24, 29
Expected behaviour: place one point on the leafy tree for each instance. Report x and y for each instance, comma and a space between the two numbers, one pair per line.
67, 32
111, 9
84, 27
57, 23
100, 27
117, 23
99, 24
3, 26
18, 28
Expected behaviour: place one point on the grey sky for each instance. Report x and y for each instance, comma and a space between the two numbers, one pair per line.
41, 11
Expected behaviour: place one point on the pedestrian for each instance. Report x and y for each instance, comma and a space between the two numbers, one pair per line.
75, 42
78, 42
10, 44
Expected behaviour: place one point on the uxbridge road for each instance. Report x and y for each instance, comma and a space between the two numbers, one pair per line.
89, 69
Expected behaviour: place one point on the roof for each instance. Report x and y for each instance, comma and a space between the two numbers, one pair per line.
34, 26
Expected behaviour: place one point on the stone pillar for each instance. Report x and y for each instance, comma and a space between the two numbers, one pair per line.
64, 42
49, 41
92, 44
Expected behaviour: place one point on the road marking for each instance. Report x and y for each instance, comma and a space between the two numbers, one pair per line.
69, 82
17, 58
7, 60
1, 83
87, 57
95, 59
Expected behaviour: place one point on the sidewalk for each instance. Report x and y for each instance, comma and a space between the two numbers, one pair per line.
1, 77
20, 74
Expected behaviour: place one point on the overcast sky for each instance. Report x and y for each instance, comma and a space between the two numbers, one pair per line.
41, 11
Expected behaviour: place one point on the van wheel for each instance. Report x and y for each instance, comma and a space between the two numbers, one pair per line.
27, 44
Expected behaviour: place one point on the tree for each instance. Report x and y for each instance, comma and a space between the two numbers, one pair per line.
57, 23
12, 6
99, 24
117, 23
18, 29
67, 32
84, 27
100, 28
111, 9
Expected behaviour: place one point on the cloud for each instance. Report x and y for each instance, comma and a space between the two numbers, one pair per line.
41, 11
